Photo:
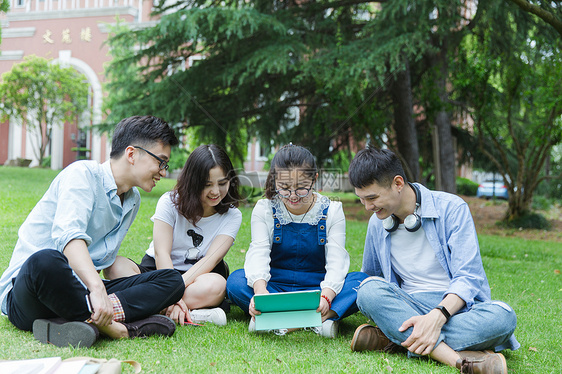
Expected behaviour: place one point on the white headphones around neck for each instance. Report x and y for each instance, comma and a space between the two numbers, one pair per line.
412, 222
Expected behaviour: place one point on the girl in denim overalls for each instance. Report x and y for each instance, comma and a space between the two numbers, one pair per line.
298, 243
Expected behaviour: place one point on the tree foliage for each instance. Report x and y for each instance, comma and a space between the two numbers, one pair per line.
349, 70
547, 10
332, 60
42, 95
513, 91
4, 7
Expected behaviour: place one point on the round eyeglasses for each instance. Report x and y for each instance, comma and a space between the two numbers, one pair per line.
163, 163
299, 192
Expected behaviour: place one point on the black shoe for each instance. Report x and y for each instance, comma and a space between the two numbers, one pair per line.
154, 325
225, 305
63, 333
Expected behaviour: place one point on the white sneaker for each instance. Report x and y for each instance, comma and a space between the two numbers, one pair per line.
252, 325
329, 329
214, 315
252, 328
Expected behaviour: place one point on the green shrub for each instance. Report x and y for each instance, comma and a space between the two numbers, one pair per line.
46, 163
178, 157
250, 194
541, 202
466, 187
529, 221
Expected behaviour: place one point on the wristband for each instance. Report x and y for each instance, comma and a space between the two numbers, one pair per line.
328, 300
444, 311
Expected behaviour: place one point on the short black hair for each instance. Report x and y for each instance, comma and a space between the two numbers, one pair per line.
142, 131
290, 157
372, 165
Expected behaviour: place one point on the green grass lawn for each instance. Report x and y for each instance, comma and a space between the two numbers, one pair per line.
521, 273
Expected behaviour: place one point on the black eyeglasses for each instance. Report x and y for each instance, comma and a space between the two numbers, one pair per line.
163, 163
300, 192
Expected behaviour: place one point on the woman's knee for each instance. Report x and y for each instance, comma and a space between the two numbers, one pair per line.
211, 284
121, 267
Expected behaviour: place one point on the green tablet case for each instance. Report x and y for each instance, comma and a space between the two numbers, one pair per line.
287, 310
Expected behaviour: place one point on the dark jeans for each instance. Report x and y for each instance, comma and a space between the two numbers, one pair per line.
46, 287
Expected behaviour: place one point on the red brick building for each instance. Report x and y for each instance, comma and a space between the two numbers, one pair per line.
71, 32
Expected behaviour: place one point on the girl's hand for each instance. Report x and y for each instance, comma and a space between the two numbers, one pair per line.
323, 308
252, 309
179, 313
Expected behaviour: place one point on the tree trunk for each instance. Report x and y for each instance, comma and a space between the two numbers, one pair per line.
518, 206
404, 124
443, 123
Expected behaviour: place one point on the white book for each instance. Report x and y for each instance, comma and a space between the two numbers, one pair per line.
46, 365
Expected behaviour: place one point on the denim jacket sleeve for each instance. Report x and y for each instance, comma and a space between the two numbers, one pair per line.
462, 254
371, 264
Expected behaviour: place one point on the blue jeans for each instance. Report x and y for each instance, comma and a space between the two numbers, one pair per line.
46, 287
487, 325
238, 292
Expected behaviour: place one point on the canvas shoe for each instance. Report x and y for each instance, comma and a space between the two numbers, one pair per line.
64, 333
252, 328
481, 362
329, 329
213, 315
154, 325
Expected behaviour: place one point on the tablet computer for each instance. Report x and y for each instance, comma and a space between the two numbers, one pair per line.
286, 310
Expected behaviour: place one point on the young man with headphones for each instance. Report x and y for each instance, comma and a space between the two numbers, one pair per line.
428, 292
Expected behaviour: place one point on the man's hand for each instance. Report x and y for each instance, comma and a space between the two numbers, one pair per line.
425, 333
102, 307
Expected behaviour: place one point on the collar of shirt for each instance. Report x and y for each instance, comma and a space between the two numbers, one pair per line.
110, 187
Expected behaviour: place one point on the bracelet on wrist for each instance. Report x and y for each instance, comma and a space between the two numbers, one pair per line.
444, 311
328, 300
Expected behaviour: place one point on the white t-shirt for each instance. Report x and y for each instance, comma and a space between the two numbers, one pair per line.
185, 246
258, 256
415, 262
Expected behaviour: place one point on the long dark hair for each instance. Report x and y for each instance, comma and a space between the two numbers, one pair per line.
289, 157
186, 195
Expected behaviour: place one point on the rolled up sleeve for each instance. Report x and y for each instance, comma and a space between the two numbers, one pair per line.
467, 272
258, 258
337, 258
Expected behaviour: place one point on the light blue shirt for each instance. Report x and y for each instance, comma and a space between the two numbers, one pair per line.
450, 230
81, 203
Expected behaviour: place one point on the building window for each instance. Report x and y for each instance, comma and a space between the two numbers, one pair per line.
20, 3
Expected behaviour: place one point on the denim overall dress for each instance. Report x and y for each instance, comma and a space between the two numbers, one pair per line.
298, 255
298, 262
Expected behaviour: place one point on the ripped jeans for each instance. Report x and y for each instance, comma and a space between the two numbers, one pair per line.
487, 325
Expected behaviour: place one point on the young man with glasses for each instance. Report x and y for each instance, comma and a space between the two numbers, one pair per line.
52, 285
